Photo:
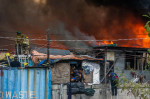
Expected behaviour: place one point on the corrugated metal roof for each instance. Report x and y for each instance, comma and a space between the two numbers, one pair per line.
53, 51
120, 48
26, 83
86, 57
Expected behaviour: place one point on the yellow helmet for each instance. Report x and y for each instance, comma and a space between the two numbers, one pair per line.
7, 54
27, 37
25, 64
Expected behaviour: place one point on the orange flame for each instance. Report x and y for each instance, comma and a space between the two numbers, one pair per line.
141, 34
129, 35
140, 38
105, 43
108, 42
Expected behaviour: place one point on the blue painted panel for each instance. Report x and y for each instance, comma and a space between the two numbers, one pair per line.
37, 84
30, 62
42, 84
24, 83
18, 82
15, 94
0, 84
48, 84
5, 84
28, 83
11, 83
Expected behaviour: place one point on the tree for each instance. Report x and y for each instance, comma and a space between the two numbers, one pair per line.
147, 26
141, 90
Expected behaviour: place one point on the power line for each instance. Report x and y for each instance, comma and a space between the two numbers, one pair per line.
6, 45
77, 40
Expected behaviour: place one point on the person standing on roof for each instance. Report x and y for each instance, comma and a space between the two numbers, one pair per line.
19, 42
22, 43
25, 45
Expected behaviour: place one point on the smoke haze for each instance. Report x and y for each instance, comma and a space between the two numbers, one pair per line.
72, 19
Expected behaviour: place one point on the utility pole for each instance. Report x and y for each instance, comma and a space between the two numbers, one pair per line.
105, 69
48, 44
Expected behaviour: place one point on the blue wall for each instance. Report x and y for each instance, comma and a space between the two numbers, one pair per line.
29, 83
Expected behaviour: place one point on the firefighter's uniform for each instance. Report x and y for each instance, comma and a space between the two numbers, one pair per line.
25, 46
22, 43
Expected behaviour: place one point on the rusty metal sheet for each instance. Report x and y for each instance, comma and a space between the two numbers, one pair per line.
29, 83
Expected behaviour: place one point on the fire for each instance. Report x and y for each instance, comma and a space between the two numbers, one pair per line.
131, 33
140, 33
40, 1
105, 43
108, 42
140, 37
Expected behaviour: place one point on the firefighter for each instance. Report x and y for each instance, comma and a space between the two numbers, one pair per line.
15, 63
114, 82
19, 41
5, 59
8, 58
25, 46
25, 64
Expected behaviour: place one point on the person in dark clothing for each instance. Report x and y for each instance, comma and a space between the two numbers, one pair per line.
15, 63
114, 82
73, 70
78, 75
81, 77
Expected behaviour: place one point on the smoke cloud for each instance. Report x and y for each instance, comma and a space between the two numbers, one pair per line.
73, 19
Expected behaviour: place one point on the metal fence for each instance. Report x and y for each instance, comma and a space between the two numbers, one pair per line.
25, 83
25, 59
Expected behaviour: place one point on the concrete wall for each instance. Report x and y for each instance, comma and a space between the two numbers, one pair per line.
61, 73
102, 92
120, 67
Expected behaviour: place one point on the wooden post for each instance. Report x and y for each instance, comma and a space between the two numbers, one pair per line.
145, 61
111, 67
17, 51
135, 62
105, 74
48, 44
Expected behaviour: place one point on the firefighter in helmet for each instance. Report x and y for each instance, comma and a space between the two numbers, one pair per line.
25, 45
19, 42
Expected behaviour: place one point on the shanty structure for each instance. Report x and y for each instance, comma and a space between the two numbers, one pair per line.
36, 81
123, 59
61, 71
61, 65
51, 83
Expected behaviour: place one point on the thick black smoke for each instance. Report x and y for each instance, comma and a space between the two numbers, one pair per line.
129, 4
76, 19
94, 19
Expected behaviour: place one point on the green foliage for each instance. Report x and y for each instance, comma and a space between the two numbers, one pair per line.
146, 16
147, 68
149, 34
136, 89
147, 26
148, 63
148, 50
